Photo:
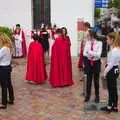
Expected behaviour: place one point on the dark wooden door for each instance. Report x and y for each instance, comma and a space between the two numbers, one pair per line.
41, 12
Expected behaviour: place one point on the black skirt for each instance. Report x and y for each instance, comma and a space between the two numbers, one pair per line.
45, 42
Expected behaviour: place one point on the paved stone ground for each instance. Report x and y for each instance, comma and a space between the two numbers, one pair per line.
41, 102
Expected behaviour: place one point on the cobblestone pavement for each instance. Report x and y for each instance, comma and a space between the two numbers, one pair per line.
41, 102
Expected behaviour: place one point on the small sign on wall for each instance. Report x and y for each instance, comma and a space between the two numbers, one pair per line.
101, 3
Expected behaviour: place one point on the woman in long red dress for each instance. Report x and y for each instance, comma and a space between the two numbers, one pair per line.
36, 71
61, 67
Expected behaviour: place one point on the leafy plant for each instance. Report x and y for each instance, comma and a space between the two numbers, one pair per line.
97, 12
114, 3
6, 30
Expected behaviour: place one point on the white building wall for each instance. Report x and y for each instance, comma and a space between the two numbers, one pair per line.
16, 11
63, 13
66, 13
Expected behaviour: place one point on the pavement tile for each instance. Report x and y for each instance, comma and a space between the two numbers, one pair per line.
42, 102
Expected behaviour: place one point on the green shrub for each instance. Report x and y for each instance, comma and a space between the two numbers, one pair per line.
97, 12
6, 30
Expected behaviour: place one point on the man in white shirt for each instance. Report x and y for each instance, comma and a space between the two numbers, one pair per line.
92, 52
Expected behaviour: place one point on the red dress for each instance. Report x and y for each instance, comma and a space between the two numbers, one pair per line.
80, 63
61, 66
36, 71
53, 33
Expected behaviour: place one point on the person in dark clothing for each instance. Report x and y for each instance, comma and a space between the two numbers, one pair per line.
44, 36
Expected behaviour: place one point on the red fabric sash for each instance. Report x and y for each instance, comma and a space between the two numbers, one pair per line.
91, 61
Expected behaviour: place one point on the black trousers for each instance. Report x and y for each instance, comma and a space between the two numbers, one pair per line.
93, 73
85, 60
6, 85
112, 86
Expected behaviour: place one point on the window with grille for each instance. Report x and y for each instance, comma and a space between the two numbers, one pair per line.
41, 12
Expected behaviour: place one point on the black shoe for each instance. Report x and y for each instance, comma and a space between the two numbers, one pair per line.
106, 109
10, 102
3, 106
87, 99
114, 109
97, 100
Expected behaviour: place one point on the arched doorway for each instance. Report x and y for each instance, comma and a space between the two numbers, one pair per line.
41, 12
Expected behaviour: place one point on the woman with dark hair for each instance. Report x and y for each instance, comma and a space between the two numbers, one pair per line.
92, 52
36, 71
65, 35
61, 67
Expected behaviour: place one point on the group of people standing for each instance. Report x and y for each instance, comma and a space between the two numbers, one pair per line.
46, 36
90, 63
61, 65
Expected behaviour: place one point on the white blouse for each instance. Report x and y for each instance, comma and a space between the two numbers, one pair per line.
113, 59
5, 56
97, 50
